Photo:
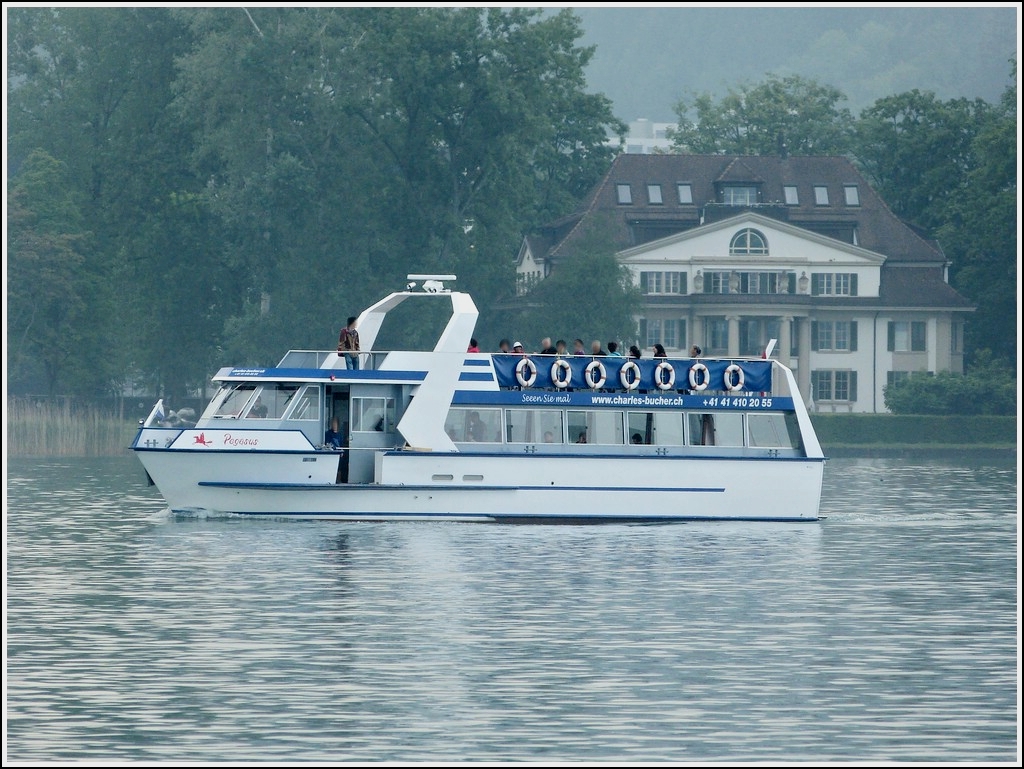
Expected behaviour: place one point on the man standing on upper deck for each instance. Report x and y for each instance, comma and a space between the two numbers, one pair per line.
348, 344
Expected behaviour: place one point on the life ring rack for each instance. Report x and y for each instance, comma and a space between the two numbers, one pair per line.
627, 367
588, 375
556, 379
523, 379
695, 369
659, 380
727, 376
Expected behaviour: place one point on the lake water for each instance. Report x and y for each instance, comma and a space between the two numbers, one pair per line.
887, 632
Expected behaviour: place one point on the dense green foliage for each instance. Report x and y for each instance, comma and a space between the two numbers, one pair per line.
948, 168
190, 187
914, 431
988, 387
249, 178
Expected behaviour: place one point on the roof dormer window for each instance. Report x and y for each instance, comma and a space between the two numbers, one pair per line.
739, 195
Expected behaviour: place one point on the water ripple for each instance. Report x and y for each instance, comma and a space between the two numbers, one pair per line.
887, 632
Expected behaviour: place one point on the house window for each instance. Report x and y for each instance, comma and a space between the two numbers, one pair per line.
685, 194
716, 282
834, 335
766, 282
668, 332
792, 198
820, 195
739, 195
654, 194
624, 193
896, 377
663, 282
755, 334
907, 336
834, 284
852, 195
748, 242
716, 336
834, 385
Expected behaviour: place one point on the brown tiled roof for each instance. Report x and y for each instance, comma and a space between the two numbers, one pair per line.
878, 229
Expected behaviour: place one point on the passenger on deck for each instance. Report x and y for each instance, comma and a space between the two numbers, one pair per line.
504, 346
613, 350
517, 349
695, 351
332, 438
634, 352
578, 348
595, 349
473, 346
546, 347
348, 344
659, 351
560, 347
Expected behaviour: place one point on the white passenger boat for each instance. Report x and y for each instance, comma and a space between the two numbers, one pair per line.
451, 435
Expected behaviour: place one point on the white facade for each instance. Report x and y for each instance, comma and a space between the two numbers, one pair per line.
730, 291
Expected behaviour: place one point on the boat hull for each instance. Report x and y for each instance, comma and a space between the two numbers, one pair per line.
533, 488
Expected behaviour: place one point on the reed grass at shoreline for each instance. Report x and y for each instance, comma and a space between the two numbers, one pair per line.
62, 429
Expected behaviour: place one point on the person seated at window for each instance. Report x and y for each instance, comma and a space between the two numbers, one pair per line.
582, 437
332, 438
259, 411
549, 437
476, 430
636, 440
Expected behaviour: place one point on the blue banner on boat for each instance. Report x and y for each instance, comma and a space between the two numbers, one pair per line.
613, 373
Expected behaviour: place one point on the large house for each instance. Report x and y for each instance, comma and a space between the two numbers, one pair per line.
730, 252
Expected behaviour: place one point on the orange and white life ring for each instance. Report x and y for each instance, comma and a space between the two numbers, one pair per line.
556, 368
627, 367
659, 380
733, 369
588, 374
524, 379
698, 368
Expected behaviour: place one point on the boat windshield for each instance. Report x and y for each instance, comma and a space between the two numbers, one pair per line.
229, 401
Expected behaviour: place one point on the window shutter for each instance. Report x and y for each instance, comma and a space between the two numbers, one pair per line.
853, 284
643, 332
853, 336
853, 386
892, 337
814, 335
917, 333
644, 282
681, 339
792, 283
682, 283
815, 283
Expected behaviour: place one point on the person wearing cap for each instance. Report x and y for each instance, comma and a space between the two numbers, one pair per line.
517, 349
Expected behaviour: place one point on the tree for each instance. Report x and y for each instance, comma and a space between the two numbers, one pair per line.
783, 114
46, 280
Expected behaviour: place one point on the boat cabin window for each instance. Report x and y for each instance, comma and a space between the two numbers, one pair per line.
229, 402
655, 428
533, 426
773, 431
307, 405
373, 414
474, 425
722, 428
272, 401
604, 427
